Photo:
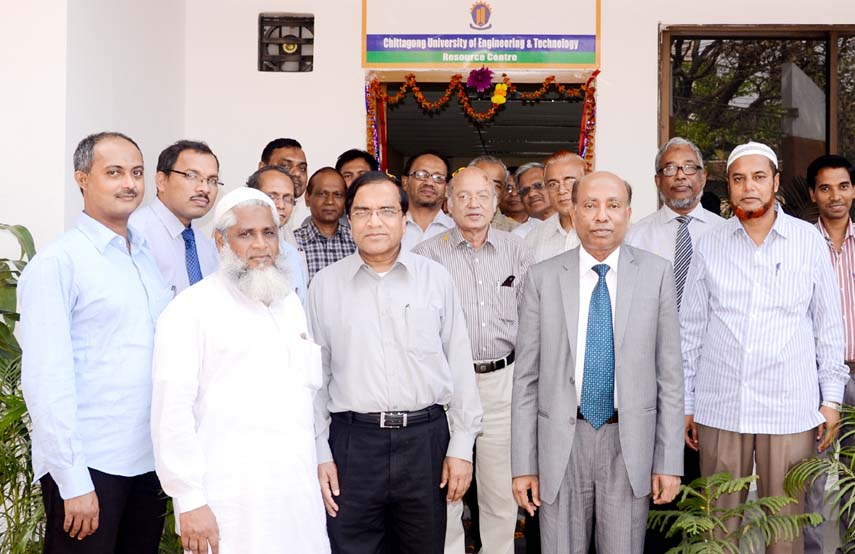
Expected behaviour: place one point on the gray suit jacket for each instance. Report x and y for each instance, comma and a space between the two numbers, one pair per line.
648, 370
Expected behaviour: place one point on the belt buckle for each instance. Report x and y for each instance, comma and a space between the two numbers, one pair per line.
393, 420
483, 367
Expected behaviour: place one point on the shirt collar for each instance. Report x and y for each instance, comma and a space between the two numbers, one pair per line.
555, 220
315, 233
354, 263
782, 226
587, 261
849, 231
101, 236
173, 226
698, 213
441, 218
456, 237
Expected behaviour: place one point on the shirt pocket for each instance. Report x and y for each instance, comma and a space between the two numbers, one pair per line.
423, 330
507, 308
789, 289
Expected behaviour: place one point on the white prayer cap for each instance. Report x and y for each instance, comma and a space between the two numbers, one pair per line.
239, 196
752, 148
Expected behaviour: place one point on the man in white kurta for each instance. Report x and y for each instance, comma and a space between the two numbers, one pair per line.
234, 383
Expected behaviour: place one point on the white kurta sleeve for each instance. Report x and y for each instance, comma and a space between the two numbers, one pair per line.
178, 454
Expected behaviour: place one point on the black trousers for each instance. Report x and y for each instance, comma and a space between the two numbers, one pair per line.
390, 499
130, 518
655, 541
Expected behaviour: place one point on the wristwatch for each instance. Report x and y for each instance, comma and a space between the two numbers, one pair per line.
829, 404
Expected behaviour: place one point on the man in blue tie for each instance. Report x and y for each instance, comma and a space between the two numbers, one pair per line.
187, 185
596, 420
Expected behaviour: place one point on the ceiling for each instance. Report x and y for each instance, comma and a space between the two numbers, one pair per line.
520, 132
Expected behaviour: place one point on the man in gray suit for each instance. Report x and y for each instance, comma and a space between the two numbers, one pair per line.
602, 448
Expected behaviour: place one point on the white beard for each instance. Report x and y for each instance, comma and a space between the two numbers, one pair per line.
263, 284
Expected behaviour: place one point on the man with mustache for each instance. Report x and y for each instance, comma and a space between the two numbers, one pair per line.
497, 171
289, 153
187, 185
234, 380
89, 303
830, 185
762, 338
424, 179
532, 194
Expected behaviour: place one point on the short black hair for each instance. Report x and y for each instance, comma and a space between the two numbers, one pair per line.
253, 181
276, 144
374, 177
412, 160
832, 161
356, 154
325, 169
166, 160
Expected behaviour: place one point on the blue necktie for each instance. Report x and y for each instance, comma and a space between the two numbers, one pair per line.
598, 383
191, 258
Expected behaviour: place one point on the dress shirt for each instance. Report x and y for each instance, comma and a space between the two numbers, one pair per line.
525, 228
657, 232
503, 223
396, 342
88, 313
321, 250
489, 307
413, 234
299, 273
762, 332
162, 232
844, 267
550, 239
299, 215
587, 281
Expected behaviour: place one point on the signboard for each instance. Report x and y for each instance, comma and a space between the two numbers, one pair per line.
502, 34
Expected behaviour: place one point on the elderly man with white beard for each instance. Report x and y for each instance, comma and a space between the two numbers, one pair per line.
234, 380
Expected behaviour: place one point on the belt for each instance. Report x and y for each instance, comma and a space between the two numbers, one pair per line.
487, 367
613, 419
395, 420
851, 365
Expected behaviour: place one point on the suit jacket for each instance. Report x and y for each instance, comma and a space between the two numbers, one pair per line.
648, 370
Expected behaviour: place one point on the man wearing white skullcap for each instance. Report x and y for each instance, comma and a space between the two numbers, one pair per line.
762, 338
234, 380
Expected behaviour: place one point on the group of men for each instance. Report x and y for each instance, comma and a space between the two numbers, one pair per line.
350, 343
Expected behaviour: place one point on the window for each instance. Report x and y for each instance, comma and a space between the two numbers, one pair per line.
286, 42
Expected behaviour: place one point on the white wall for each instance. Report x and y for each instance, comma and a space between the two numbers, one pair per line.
126, 65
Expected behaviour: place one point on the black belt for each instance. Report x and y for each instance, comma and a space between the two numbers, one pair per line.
487, 367
609, 421
395, 420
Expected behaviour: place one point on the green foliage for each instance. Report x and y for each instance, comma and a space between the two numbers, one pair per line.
21, 509
703, 528
841, 463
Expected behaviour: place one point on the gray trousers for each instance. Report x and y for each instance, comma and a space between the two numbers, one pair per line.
596, 482
814, 496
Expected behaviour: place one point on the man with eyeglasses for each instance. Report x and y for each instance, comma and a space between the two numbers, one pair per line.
289, 153
489, 267
532, 191
187, 186
276, 182
424, 178
398, 410
497, 171
324, 238
557, 234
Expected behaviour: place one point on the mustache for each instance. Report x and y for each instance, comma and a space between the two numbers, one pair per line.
128, 192
200, 195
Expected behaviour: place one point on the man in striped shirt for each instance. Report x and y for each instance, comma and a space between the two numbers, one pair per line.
762, 337
488, 267
830, 184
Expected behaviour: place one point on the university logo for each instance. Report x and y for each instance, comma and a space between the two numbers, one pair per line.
480, 13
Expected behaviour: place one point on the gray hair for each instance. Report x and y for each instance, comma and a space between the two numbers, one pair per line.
486, 158
525, 167
677, 141
85, 151
228, 219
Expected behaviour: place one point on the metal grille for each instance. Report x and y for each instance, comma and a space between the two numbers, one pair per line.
286, 42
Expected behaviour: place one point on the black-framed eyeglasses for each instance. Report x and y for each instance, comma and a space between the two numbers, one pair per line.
423, 175
537, 185
212, 182
688, 169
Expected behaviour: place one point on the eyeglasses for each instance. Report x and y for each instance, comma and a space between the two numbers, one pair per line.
286, 198
525, 191
688, 169
463, 198
423, 175
568, 182
364, 214
212, 182
326, 194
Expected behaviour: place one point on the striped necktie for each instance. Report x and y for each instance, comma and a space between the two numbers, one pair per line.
682, 255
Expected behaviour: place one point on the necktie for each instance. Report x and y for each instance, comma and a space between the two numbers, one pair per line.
598, 382
682, 255
191, 258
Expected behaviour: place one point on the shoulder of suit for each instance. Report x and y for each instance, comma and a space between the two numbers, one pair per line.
646, 257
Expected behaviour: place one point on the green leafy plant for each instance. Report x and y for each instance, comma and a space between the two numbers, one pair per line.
702, 526
21, 509
841, 462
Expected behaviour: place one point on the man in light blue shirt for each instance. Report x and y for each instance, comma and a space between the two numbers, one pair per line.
762, 337
89, 303
187, 186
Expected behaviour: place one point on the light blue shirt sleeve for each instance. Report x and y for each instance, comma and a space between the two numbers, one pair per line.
299, 278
